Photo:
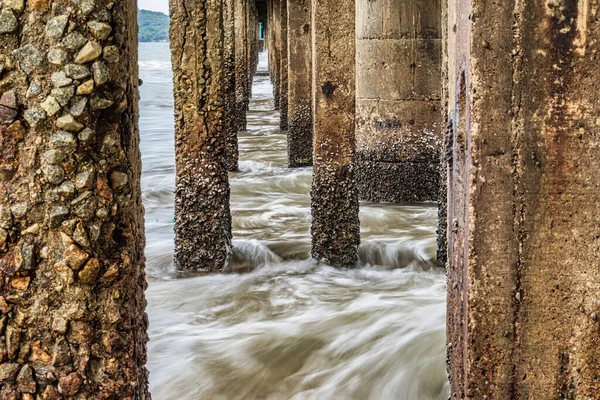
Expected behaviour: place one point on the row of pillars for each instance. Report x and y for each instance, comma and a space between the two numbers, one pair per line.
214, 51
365, 113
519, 84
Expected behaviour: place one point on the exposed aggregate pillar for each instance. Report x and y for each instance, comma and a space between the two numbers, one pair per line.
241, 63
335, 224
399, 130
524, 283
202, 214
300, 122
72, 321
283, 74
230, 122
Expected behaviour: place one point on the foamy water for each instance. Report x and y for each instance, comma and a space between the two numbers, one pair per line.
290, 329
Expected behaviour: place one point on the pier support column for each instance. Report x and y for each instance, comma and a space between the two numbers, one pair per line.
524, 283
399, 130
72, 276
300, 123
241, 63
335, 224
230, 120
270, 39
250, 41
283, 74
276, 16
202, 215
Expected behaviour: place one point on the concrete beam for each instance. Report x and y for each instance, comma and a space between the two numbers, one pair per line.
335, 225
202, 215
524, 189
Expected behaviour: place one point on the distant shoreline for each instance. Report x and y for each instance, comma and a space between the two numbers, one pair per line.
153, 26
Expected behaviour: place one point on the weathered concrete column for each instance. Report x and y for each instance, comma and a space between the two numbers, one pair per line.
399, 129
524, 283
230, 119
269, 38
241, 63
72, 276
300, 123
445, 154
252, 46
249, 50
283, 74
335, 225
276, 31
202, 215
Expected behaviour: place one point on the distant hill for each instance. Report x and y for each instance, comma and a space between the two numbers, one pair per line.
154, 26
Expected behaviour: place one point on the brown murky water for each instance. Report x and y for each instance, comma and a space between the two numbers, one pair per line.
290, 329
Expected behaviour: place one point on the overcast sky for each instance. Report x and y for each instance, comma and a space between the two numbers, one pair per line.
154, 5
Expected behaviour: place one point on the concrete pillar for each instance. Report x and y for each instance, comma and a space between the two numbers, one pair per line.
524, 284
300, 123
229, 119
72, 276
269, 38
335, 225
249, 49
241, 63
399, 128
283, 74
276, 8
253, 43
442, 231
202, 215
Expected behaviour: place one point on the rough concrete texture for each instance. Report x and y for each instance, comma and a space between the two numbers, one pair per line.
249, 50
399, 130
442, 231
269, 38
276, 49
524, 287
252, 46
300, 123
230, 119
335, 224
72, 321
241, 63
283, 69
202, 215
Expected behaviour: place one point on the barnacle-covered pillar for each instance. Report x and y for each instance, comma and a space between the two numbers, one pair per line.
276, 58
335, 225
524, 241
229, 119
300, 123
241, 63
72, 321
283, 69
252, 36
202, 214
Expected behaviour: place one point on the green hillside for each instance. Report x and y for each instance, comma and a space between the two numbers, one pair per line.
154, 26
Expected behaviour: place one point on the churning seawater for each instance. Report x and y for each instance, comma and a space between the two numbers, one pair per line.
291, 329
